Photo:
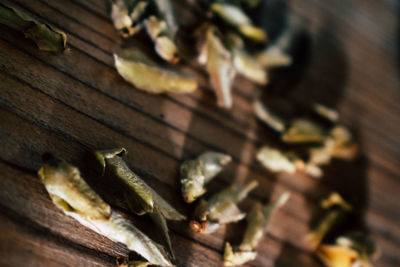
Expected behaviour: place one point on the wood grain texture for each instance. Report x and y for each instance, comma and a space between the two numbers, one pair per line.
70, 103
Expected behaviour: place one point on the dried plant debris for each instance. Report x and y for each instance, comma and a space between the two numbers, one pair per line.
268, 117
75, 198
138, 69
248, 66
218, 61
220, 209
336, 210
356, 249
303, 131
196, 173
140, 197
275, 160
257, 221
318, 143
156, 16
124, 262
46, 37
234, 16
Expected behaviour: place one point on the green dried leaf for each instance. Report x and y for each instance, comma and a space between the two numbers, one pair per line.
221, 209
219, 66
195, 174
337, 209
46, 37
75, 198
146, 75
304, 131
140, 197
236, 17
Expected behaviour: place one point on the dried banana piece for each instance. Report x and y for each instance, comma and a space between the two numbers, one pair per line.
140, 197
218, 61
195, 174
46, 37
74, 197
257, 221
220, 209
337, 208
237, 18
146, 75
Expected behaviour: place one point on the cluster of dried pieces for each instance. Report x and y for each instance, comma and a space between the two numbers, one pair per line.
72, 194
222, 49
221, 208
354, 249
157, 18
257, 221
46, 37
311, 144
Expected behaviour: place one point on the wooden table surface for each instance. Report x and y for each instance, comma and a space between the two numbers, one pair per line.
70, 103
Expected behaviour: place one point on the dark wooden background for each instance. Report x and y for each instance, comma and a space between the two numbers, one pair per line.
69, 103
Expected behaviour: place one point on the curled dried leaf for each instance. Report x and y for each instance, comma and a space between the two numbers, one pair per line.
273, 57
126, 15
269, 118
275, 160
236, 17
140, 197
75, 198
257, 221
195, 174
147, 75
164, 46
363, 244
220, 209
337, 256
337, 209
326, 112
303, 131
246, 65
46, 37
219, 66
237, 258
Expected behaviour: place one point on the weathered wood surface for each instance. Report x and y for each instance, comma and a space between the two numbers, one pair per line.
76, 101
